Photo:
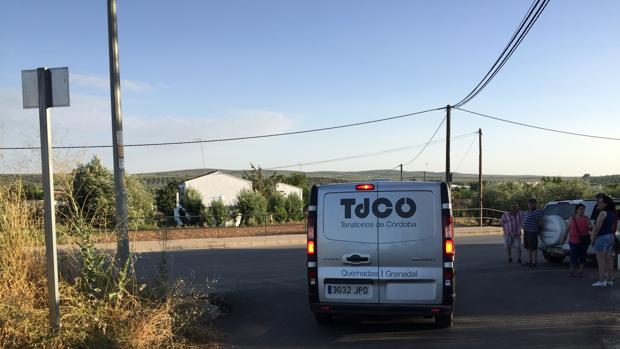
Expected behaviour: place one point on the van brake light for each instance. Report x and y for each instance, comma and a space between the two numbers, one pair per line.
365, 187
310, 247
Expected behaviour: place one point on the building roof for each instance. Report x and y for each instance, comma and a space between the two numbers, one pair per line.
215, 172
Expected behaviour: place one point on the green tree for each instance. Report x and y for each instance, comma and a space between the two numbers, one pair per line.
294, 207
141, 210
195, 209
299, 180
93, 191
252, 206
217, 213
276, 205
166, 201
261, 183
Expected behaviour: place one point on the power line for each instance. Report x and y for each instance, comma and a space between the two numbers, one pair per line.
235, 138
539, 127
419, 153
358, 156
466, 153
526, 24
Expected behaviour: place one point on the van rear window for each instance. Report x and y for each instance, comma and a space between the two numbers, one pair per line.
562, 210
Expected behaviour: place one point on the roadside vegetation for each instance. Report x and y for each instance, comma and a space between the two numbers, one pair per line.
103, 305
499, 195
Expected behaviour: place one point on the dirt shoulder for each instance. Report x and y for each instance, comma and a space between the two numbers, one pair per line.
246, 237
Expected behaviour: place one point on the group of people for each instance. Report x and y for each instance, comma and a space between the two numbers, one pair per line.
580, 234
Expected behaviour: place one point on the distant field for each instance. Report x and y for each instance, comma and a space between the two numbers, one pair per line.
158, 179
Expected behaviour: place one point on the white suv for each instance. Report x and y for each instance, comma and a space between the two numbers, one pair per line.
556, 215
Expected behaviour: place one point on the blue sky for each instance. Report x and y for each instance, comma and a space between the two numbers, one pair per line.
213, 69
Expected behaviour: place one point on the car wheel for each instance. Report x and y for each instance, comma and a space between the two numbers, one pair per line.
323, 319
553, 258
444, 321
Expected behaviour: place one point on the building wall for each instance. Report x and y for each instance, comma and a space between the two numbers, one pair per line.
217, 185
286, 189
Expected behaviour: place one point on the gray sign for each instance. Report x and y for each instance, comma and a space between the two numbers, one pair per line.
59, 86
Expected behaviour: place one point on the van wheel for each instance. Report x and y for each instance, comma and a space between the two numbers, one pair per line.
323, 319
553, 258
444, 321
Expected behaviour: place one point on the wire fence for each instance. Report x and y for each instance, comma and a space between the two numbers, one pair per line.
473, 216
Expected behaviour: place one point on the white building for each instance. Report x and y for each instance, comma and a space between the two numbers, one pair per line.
286, 189
216, 185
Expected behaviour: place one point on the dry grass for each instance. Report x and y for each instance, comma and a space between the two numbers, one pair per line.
122, 315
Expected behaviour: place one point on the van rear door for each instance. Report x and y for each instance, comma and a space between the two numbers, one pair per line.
410, 243
347, 256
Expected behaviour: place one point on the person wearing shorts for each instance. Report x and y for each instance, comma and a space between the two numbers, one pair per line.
577, 233
512, 222
603, 241
532, 223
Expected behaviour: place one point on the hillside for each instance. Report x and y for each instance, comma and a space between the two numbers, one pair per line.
158, 179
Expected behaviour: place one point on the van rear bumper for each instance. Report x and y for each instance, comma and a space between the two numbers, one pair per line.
380, 309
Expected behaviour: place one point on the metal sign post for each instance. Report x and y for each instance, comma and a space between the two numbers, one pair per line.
44, 88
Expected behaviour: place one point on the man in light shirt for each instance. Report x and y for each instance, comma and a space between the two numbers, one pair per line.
512, 222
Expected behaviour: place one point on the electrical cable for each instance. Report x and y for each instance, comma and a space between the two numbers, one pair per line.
512, 50
418, 154
235, 138
357, 156
539, 127
534, 13
466, 153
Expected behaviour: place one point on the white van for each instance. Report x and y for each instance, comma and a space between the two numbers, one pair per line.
381, 248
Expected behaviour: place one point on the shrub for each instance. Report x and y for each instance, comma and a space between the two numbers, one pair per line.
294, 207
166, 201
217, 213
252, 206
276, 205
195, 209
139, 204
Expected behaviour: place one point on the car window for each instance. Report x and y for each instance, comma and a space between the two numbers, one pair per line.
562, 210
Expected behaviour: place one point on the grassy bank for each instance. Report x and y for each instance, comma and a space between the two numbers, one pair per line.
102, 305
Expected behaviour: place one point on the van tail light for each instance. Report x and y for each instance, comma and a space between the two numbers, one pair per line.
311, 248
449, 247
311, 227
448, 226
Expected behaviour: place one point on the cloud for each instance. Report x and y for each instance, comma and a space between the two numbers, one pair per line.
103, 83
87, 122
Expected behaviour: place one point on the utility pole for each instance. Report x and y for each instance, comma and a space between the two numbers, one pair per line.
117, 138
448, 174
480, 172
202, 152
401, 172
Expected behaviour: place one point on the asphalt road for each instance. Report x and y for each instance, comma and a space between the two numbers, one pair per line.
499, 305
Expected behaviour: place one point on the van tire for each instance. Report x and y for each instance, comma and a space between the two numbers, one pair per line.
444, 321
323, 319
553, 258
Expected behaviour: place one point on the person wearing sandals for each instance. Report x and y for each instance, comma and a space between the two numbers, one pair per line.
532, 224
578, 235
603, 240
512, 222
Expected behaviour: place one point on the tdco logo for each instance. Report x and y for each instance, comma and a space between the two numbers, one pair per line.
382, 207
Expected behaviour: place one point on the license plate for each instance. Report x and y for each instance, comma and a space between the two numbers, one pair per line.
348, 291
